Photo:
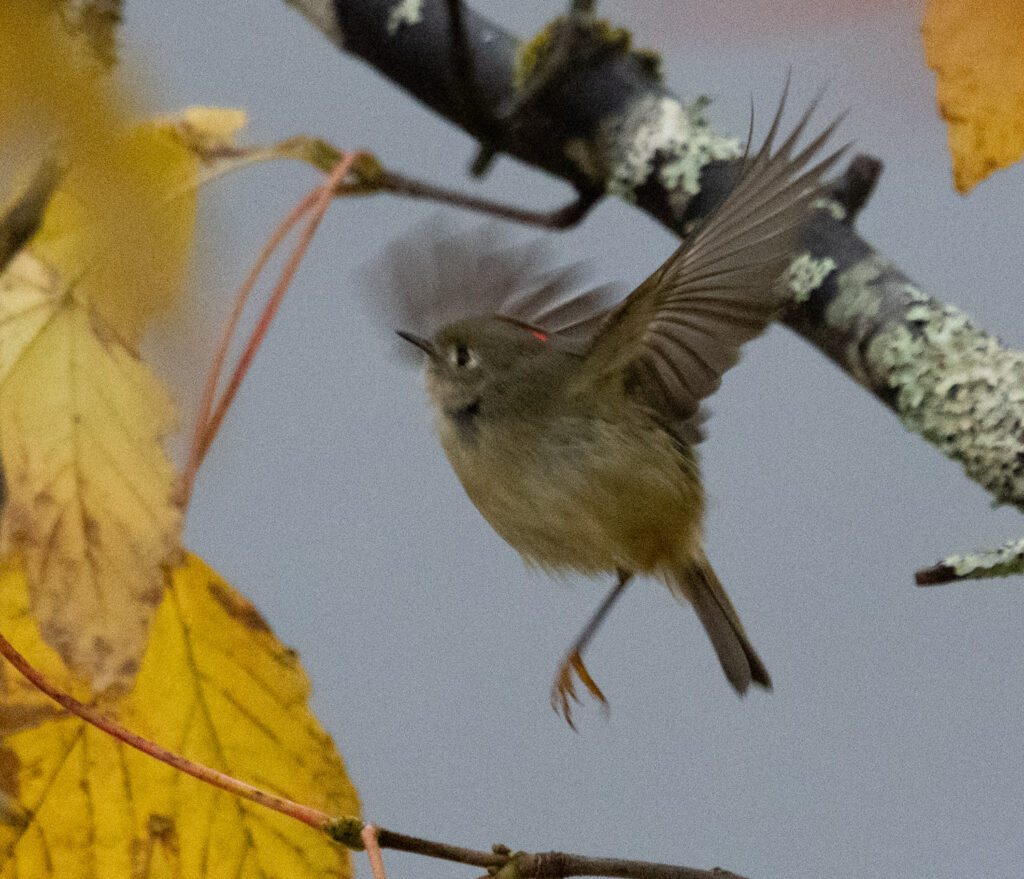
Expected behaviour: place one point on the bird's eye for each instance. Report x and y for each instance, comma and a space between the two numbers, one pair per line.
460, 355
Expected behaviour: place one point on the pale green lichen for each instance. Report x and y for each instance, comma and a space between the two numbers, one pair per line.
1001, 562
948, 381
853, 310
688, 158
657, 134
856, 297
919, 313
834, 208
909, 291
408, 12
804, 275
960, 389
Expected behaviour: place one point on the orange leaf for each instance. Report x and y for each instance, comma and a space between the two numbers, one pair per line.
977, 52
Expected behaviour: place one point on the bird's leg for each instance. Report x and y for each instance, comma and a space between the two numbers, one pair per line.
564, 688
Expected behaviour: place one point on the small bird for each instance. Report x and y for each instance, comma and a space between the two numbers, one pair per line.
573, 430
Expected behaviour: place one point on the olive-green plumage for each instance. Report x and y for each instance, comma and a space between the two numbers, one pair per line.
581, 454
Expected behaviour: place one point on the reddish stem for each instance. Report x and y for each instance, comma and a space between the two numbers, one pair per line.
316, 204
241, 297
369, 836
306, 814
350, 832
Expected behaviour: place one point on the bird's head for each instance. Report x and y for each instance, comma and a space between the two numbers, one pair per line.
484, 362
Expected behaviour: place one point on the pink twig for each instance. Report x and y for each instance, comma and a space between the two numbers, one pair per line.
306, 814
350, 832
369, 836
241, 297
316, 204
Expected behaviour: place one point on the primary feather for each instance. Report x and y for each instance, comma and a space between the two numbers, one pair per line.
678, 332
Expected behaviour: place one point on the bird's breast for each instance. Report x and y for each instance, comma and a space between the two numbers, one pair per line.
579, 492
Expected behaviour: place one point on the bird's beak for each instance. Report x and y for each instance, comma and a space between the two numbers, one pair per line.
421, 343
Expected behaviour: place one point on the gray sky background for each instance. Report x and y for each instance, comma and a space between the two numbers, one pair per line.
892, 744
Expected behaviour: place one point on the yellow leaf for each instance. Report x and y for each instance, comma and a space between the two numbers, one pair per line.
90, 492
121, 225
204, 130
977, 52
215, 686
94, 22
30, 293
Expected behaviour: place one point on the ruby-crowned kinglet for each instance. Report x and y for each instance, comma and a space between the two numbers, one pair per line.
574, 434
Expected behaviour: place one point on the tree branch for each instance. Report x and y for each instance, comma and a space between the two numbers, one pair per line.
609, 125
349, 831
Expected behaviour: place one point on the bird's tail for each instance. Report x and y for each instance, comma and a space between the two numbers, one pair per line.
699, 585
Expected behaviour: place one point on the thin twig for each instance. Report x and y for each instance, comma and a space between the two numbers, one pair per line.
546, 865
315, 204
305, 814
351, 832
400, 842
560, 218
369, 837
241, 298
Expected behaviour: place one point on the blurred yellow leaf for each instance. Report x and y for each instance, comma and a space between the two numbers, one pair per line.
23, 217
91, 495
112, 227
977, 52
215, 686
95, 23
204, 130
120, 226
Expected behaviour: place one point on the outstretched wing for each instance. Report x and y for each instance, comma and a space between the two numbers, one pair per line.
681, 329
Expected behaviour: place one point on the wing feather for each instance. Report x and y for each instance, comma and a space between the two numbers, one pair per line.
681, 329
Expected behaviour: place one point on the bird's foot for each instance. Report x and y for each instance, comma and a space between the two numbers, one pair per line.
563, 691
